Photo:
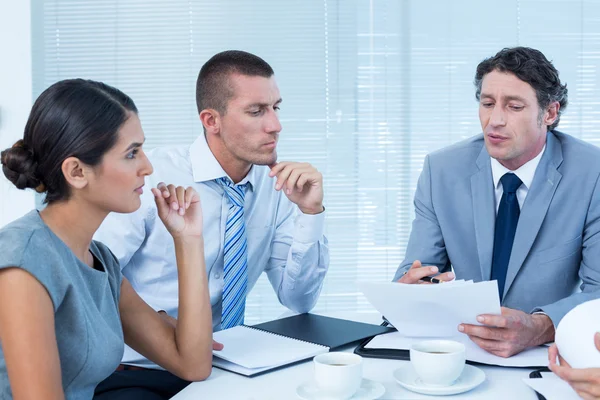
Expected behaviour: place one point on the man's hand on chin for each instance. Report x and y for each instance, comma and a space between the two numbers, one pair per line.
302, 184
510, 333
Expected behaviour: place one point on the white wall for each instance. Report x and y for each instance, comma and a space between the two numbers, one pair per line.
15, 96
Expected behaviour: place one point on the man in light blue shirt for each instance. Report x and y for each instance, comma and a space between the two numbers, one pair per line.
234, 168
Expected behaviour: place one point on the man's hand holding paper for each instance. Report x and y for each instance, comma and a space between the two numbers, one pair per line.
504, 334
510, 333
435, 311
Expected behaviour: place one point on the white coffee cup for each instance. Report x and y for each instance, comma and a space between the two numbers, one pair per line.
338, 375
438, 362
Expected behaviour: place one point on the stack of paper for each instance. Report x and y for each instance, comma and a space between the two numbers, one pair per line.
421, 312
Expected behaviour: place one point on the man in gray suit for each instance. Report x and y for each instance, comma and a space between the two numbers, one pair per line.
519, 204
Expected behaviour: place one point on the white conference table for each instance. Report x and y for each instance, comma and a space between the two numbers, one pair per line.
501, 383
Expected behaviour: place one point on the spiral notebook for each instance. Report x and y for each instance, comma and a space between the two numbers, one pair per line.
251, 350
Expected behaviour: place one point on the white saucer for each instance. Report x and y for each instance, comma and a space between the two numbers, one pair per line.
369, 390
408, 378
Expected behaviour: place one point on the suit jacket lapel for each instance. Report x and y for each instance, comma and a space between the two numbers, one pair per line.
535, 207
484, 213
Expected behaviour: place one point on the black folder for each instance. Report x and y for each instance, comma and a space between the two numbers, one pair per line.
538, 374
392, 354
326, 331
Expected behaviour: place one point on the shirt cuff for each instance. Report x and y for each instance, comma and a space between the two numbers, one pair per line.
539, 311
309, 228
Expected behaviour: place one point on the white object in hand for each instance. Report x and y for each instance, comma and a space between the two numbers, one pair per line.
438, 362
575, 335
337, 374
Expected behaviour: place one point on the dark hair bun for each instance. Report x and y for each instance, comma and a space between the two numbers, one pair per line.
19, 166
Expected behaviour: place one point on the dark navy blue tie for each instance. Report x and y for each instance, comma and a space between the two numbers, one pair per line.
506, 225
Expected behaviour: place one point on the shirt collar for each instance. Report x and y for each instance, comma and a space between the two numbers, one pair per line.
525, 172
205, 166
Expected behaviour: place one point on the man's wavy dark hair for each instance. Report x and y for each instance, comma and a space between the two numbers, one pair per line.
531, 66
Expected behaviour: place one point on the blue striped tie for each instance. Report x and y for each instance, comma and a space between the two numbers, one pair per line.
235, 257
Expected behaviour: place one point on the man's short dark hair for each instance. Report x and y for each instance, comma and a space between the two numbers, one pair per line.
213, 89
531, 66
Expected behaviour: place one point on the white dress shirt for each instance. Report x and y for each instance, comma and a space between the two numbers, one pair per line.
525, 173
282, 241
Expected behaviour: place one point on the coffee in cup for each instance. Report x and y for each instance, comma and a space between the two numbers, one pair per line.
338, 374
438, 362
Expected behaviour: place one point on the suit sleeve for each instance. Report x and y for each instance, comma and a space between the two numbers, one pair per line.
589, 268
426, 242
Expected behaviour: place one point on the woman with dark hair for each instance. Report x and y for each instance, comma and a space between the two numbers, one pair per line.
65, 309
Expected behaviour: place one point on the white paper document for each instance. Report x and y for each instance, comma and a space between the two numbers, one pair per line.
552, 387
432, 310
421, 312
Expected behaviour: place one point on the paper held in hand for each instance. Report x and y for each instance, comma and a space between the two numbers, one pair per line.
422, 312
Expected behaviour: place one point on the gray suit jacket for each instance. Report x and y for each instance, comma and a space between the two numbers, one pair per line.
557, 242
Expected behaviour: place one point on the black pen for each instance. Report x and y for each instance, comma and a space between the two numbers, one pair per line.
428, 279
431, 280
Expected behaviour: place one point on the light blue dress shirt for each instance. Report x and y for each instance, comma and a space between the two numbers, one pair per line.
282, 241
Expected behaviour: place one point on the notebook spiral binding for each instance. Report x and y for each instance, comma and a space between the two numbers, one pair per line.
283, 336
